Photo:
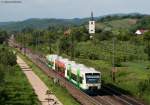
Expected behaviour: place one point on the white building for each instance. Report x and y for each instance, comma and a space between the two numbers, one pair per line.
92, 25
140, 32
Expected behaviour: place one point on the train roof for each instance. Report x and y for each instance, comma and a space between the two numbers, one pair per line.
53, 56
83, 69
65, 61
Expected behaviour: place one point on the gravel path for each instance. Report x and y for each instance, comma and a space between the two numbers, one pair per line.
44, 95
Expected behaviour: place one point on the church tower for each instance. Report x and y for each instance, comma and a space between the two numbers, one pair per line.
92, 25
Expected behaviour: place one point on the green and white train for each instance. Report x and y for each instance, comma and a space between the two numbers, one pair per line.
80, 75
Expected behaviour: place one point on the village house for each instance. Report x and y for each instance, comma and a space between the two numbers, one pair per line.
140, 31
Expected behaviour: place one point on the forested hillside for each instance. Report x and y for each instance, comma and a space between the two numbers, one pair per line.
41, 23
103, 22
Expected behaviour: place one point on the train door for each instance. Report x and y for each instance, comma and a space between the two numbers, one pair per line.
60, 68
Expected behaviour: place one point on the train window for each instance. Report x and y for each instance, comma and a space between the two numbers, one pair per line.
68, 72
74, 77
81, 79
92, 78
50, 63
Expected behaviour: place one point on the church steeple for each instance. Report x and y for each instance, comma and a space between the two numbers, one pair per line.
92, 18
92, 25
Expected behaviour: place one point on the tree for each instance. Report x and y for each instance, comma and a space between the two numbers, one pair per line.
144, 86
80, 34
147, 40
147, 50
3, 36
2, 74
27, 30
104, 35
143, 23
7, 57
123, 35
147, 36
65, 43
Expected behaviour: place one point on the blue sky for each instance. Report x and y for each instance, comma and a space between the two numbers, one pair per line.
69, 8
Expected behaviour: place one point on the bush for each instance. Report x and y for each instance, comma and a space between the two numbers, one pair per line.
3, 36
147, 50
7, 57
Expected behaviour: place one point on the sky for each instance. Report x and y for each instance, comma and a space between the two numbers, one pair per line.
26, 9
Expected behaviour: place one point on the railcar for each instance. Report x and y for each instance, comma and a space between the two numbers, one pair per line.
83, 77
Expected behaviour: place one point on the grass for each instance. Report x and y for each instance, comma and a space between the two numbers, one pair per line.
18, 89
61, 93
135, 72
117, 24
123, 23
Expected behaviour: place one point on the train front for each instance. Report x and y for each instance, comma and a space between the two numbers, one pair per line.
93, 80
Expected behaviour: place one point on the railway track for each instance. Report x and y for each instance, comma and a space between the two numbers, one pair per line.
124, 99
113, 97
106, 96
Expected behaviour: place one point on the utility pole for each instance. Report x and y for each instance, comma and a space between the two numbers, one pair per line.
67, 33
49, 42
113, 72
58, 47
24, 44
56, 79
21, 42
36, 41
72, 46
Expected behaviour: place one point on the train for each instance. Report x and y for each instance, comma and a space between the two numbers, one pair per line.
85, 78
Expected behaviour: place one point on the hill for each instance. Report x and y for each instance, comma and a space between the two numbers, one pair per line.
41, 23
126, 23
114, 21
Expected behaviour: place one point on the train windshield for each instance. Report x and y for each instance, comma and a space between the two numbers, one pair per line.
92, 78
